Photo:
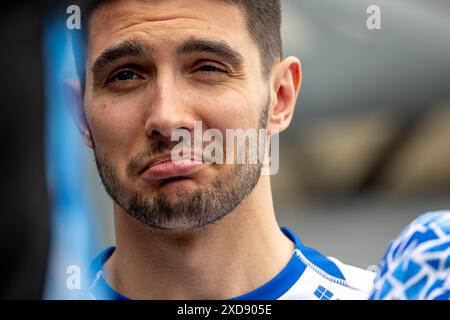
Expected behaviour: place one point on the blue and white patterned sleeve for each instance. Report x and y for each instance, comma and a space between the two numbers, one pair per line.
416, 265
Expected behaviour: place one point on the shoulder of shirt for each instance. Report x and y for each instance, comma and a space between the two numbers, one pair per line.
327, 278
332, 270
322, 272
356, 278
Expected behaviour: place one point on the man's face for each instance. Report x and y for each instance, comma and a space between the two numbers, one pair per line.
157, 66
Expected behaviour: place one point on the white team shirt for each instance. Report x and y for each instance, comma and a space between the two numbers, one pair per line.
309, 275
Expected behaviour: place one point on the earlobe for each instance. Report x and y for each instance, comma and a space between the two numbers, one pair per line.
287, 83
87, 138
74, 102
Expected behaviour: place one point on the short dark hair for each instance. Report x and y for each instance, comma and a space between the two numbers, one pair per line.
263, 22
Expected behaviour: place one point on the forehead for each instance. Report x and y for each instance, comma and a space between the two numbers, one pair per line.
164, 23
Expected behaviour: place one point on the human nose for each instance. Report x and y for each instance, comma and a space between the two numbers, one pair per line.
169, 110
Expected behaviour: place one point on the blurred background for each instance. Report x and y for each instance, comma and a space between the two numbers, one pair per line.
367, 152
369, 148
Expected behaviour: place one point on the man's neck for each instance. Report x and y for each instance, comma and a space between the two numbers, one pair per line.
232, 257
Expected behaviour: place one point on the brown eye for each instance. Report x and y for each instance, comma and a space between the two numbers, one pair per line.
210, 73
123, 76
210, 68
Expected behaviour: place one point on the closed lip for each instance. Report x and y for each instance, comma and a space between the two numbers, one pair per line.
165, 168
167, 158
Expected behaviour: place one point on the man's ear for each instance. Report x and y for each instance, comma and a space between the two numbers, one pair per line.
287, 80
74, 98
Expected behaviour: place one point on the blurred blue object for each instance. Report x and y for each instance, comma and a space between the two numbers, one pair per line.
75, 237
417, 264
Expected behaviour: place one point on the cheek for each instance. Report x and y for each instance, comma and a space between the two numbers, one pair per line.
228, 111
114, 128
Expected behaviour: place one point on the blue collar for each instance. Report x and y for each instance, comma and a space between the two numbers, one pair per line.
272, 290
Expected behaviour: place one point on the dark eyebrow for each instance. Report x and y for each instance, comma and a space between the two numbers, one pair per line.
126, 48
135, 48
219, 48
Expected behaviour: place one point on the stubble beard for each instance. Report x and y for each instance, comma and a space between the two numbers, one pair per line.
187, 209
